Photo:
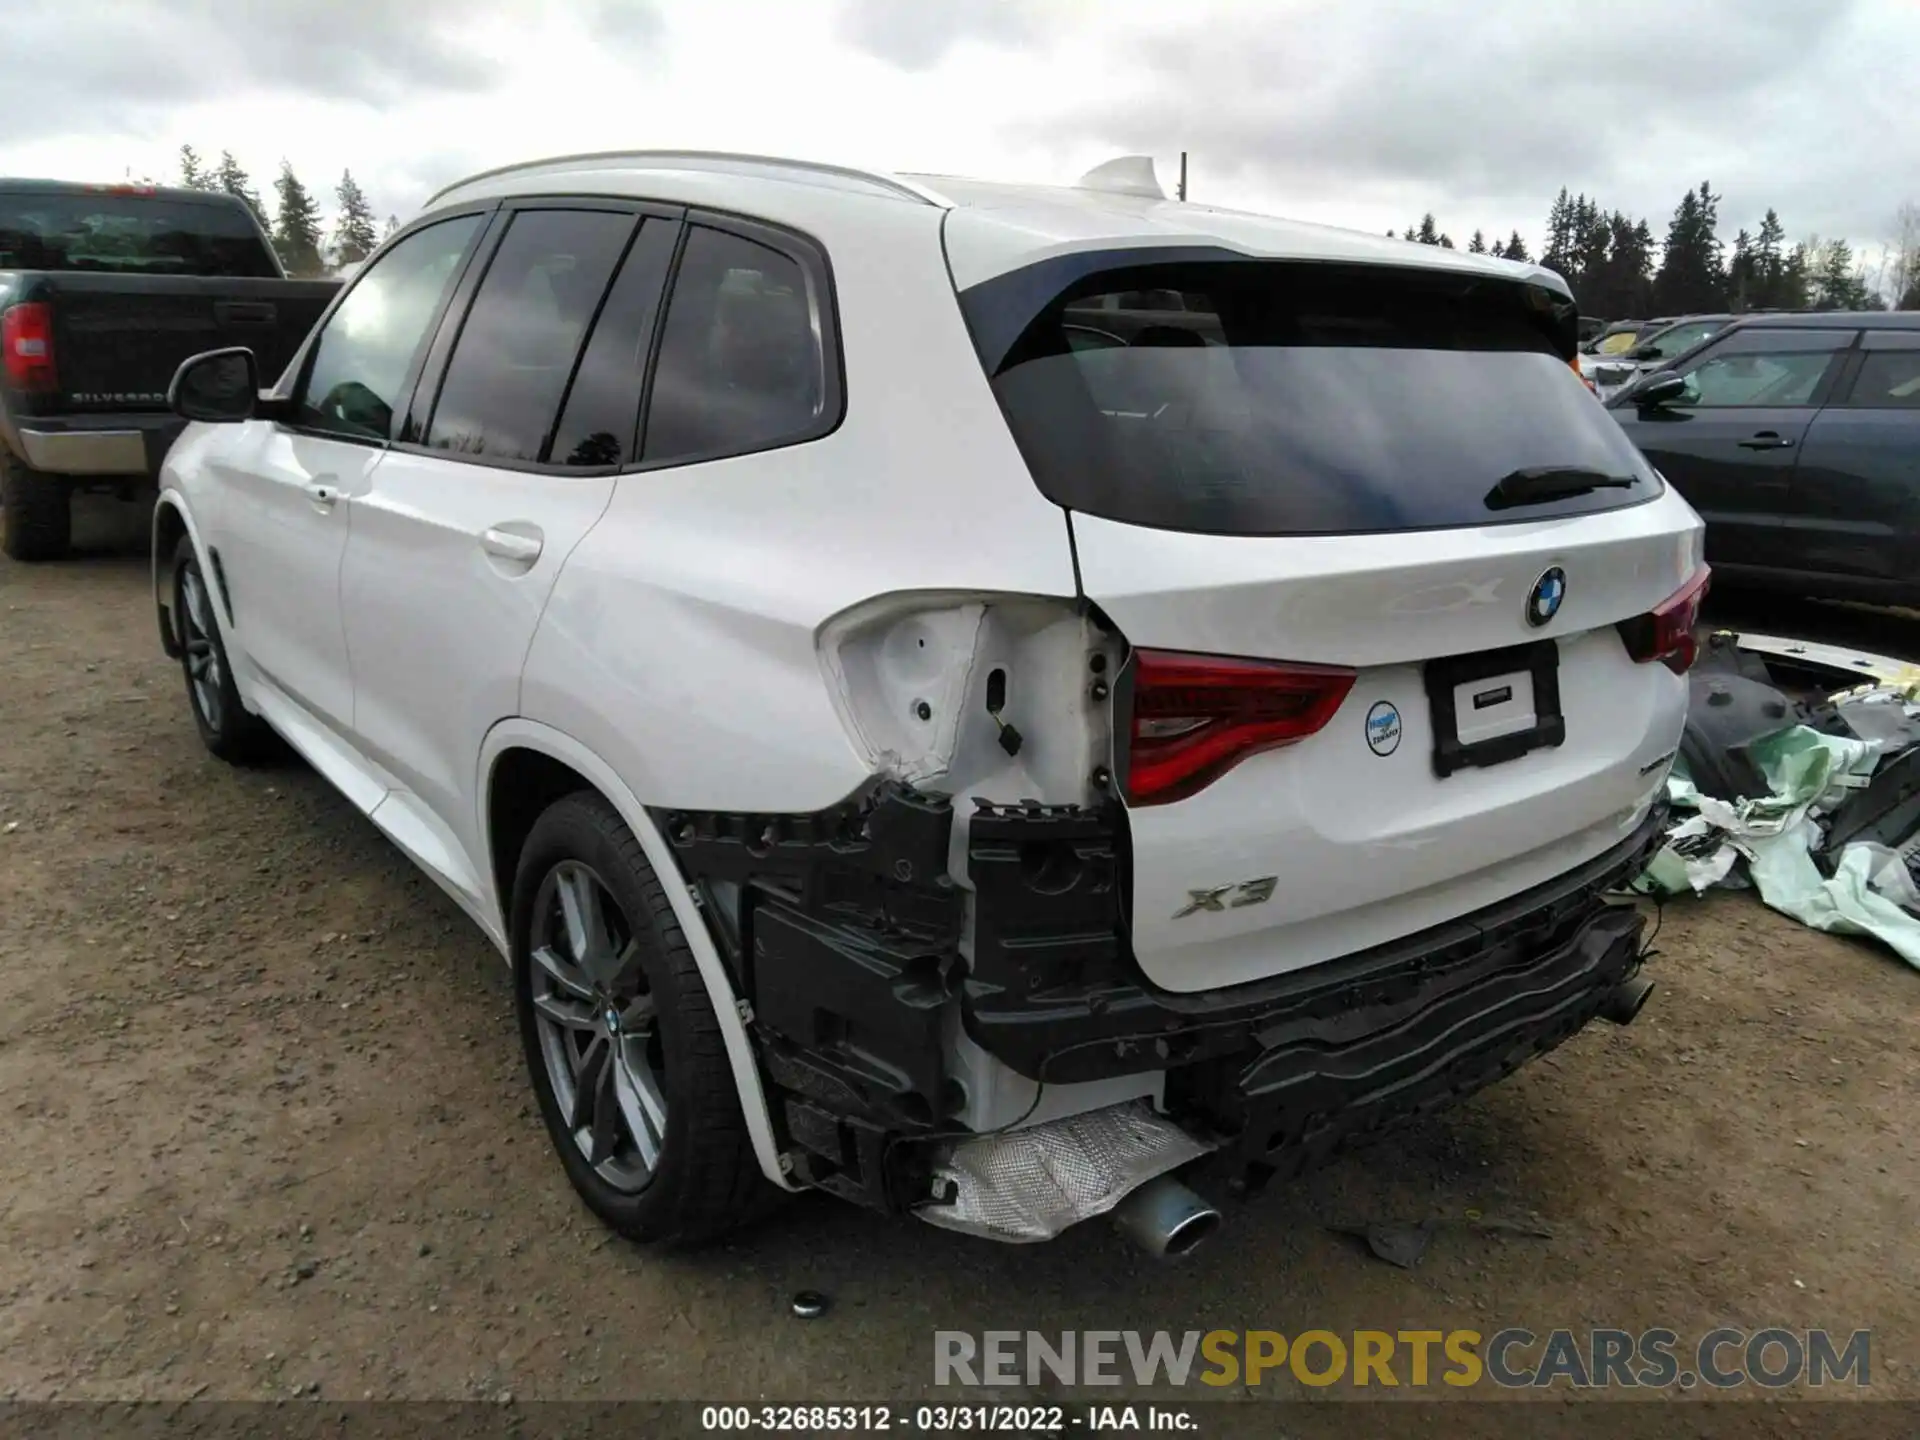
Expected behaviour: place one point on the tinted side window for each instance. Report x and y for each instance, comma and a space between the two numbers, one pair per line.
741, 365
1682, 338
122, 232
603, 407
1888, 380
362, 357
1762, 367
516, 350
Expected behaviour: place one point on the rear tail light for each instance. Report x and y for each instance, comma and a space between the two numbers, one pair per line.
1665, 633
26, 344
1197, 716
1575, 363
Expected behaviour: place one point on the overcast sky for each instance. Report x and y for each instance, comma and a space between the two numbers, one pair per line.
1356, 112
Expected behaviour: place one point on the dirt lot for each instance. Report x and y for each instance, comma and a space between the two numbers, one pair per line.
266, 1130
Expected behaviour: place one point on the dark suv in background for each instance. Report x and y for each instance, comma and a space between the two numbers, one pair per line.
1797, 438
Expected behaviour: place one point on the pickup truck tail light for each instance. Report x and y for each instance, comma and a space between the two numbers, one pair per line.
26, 342
1197, 716
1665, 633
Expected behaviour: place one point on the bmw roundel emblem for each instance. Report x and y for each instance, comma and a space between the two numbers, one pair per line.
1543, 601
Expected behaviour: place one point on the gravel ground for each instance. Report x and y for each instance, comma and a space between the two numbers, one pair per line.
267, 1131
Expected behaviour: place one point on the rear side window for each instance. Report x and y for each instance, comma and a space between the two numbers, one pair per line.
517, 349
130, 234
742, 363
603, 407
1299, 399
366, 349
1889, 379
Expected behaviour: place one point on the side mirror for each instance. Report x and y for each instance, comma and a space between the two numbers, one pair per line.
1659, 389
219, 386
1648, 351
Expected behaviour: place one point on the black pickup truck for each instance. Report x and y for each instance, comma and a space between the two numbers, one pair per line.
104, 290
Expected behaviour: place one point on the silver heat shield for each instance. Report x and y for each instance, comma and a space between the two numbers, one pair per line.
1029, 1185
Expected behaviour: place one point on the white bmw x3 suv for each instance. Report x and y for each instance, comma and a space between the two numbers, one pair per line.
969, 697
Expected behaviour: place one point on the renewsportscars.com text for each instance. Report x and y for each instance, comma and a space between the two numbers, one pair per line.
1512, 1358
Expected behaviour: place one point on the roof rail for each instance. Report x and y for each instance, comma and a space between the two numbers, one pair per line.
707, 159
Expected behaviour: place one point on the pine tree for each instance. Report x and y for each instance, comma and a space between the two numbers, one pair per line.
1429, 232
1770, 265
1557, 254
1592, 246
1629, 266
296, 228
1796, 279
1478, 244
1516, 248
235, 181
354, 235
1742, 273
393, 224
1691, 277
193, 171
1836, 279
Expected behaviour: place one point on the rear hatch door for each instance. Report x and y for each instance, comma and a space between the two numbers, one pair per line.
1387, 569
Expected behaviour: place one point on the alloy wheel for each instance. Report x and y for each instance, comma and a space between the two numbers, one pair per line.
204, 672
598, 1027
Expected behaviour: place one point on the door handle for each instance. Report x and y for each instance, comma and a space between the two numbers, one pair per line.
324, 497
506, 545
1767, 440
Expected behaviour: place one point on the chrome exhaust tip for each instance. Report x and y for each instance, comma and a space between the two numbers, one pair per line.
1165, 1218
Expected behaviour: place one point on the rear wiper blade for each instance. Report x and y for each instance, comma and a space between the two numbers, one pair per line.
1553, 482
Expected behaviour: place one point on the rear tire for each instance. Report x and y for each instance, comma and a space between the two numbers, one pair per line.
227, 728
39, 511
650, 1132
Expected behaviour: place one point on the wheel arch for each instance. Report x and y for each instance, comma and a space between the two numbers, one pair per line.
171, 523
169, 527
543, 763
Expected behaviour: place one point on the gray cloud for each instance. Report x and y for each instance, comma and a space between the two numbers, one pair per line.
118, 66
635, 23
1485, 112
917, 34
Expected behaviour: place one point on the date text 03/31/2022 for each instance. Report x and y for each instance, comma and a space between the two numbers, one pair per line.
939, 1419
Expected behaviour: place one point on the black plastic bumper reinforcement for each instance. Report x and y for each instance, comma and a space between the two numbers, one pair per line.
844, 933
1319, 1085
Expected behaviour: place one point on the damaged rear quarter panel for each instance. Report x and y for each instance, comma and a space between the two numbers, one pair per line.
680, 641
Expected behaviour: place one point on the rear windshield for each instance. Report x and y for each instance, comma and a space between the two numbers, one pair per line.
142, 234
1266, 398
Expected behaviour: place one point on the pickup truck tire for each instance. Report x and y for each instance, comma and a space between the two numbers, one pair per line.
693, 1176
227, 728
39, 511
